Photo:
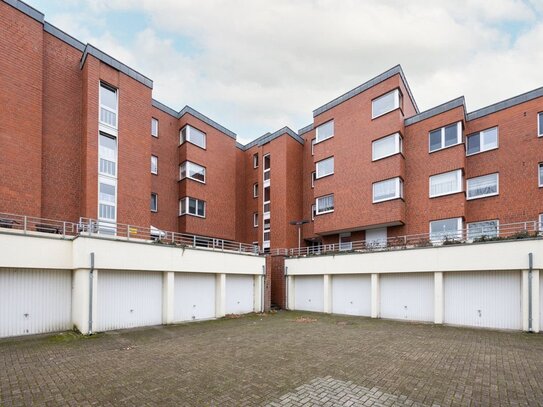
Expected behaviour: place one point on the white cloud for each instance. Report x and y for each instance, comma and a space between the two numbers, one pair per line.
260, 65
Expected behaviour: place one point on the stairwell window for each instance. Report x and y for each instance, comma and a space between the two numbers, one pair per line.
446, 183
386, 146
444, 137
255, 190
193, 207
255, 160
541, 174
154, 164
325, 167
191, 170
325, 204
387, 190
325, 131
193, 136
154, 202
540, 124
255, 219
108, 105
484, 186
482, 141
386, 103
313, 212
154, 127
107, 152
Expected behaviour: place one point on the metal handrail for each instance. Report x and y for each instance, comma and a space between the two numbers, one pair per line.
94, 227
509, 231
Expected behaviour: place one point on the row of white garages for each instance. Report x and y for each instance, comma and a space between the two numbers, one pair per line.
36, 301
483, 299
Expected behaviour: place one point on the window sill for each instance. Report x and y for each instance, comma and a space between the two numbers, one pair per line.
482, 196
445, 148
481, 152
398, 198
192, 179
384, 114
195, 145
318, 142
324, 176
323, 213
190, 214
373, 160
449, 194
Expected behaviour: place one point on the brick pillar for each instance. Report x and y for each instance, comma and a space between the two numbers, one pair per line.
268, 284
278, 291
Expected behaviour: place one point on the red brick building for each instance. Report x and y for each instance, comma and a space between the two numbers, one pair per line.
82, 136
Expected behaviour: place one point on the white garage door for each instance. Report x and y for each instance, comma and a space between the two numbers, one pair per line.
194, 296
489, 299
34, 301
128, 299
239, 294
309, 293
407, 296
351, 295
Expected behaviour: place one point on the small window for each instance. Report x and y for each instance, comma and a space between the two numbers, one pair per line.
192, 206
107, 152
483, 141
255, 219
154, 202
478, 230
313, 178
154, 127
325, 167
193, 171
540, 124
541, 174
108, 105
386, 103
192, 135
325, 204
313, 212
255, 190
446, 229
480, 187
154, 164
312, 146
446, 137
387, 190
446, 183
255, 160
386, 146
325, 131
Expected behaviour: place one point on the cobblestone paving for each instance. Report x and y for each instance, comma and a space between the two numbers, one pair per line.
256, 360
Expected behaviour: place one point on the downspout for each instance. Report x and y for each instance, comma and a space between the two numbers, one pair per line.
287, 305
263, 290
530, 275
91, 278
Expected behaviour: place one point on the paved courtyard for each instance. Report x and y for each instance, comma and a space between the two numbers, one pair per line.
282, 359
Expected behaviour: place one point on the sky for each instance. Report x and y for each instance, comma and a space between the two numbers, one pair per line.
255, 66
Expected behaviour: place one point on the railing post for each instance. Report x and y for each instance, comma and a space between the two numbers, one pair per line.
239, 247
193, 241
128, 232
24, 225
64, 230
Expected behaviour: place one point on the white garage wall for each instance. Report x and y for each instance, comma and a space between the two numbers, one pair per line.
407, 296
351, 294
489, 299
34, 301
194, 296
128, 299
309, 293
239, 294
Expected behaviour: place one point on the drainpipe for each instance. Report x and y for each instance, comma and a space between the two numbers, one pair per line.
287, 305
91, 277
530, 275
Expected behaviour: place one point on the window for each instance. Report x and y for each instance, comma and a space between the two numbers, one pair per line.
313, 178
540, 174
154, 202
255, 160
108, 105
154, 127
267, 196
325, 204
446, 136
255, 190
193, 171
154, 164
386, 146
446, 229
266, 234
267, 168
107, 152
480, 187
483, 141
325, 131
540, 124
313, 146
313, 210
477, 230
325, 167
107, 200
387, 190
386, 103
192, 135
446, 183
255, 219
192, 206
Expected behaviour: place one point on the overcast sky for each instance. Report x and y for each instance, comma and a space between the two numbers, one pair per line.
256, 66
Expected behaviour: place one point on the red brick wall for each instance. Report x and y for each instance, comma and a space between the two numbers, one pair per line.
275, 266
21, 95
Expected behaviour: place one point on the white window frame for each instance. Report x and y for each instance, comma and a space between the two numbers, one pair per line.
115, 112
317, 140
469, 198
187, 165
186, 199
459, 183
313, 178
105, 134
322, 162
154, 129
317, 212
442, 129
459, 229
398, 146
255, 190
398, 189
482, 134
471, 238
313, 141
156, 164
156, 202
255, 160
394, 107
189, 129
313, 212
539, 127
111, 182
255, 219
539, 174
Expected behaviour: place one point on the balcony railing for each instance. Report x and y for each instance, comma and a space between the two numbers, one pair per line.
510, 231
92, 227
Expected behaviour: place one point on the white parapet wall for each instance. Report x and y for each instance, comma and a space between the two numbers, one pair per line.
483, 285
127, 284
